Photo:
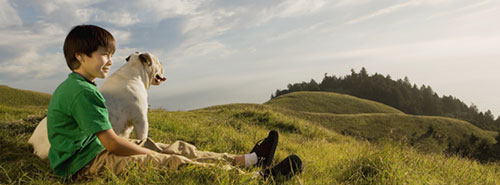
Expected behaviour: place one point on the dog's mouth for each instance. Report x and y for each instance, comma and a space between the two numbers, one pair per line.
159, 79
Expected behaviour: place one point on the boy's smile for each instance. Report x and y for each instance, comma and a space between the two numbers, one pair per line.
95, 66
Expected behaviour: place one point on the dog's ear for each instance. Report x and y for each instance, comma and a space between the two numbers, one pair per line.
128, 58
146, 58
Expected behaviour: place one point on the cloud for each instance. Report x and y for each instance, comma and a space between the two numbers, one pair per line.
121, 37
199, 52
8, 15
344, 3
397, 7
161, 9
120, 18
32, 64
450, 50
71, 12
492, 10
54, 6
209, 23
66, 12
461, 10
32, 55
211, 48
286, 9
292, 8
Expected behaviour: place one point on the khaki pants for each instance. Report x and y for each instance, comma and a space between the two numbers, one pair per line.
170, 156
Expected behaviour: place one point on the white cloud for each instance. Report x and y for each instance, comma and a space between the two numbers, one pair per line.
397, 7
199, 52
33, 64
292, 8
208, 24
318, 28
204, 49
66, 12
71, 12
288, 8
162, 9
443, 50
30, 57
343, 3
8, 15
56, 5
492, 11
383, 11
119, 18
461, 10
121, 37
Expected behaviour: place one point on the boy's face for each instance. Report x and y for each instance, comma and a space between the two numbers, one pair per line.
95, 66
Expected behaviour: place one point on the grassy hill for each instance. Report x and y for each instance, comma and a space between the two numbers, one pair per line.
329, 157
17, 98
16, 104
323, 102
377, 122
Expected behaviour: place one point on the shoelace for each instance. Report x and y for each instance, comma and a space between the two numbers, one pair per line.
257, 144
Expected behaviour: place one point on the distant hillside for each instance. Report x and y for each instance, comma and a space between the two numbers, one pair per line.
322, 102
366, 120
400, 94
16, 97
428, 133
17, 104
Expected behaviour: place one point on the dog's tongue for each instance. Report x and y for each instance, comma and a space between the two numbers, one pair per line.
159, 78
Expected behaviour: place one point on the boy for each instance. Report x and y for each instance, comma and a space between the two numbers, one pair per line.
83, 142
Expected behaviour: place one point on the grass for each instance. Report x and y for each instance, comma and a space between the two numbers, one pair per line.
324, 102
329, 157
16, 104
20, 98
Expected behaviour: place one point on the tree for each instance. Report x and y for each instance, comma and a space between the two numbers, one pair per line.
313, 86
400, 94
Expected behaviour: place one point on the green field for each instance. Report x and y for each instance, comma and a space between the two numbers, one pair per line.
314, 134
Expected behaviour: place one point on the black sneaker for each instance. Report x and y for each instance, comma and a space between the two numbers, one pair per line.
286, 169
265, 149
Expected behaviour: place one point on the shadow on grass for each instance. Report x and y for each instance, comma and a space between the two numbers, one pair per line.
268, 120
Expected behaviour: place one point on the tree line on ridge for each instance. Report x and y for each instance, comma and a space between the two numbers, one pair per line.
400, 94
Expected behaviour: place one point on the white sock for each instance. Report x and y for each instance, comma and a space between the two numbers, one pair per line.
250, 159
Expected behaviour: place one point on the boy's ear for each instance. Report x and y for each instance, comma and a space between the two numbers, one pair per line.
146, 58
79, 57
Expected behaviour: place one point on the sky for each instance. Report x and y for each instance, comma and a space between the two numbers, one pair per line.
225, 51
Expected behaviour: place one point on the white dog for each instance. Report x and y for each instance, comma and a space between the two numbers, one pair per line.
126, 100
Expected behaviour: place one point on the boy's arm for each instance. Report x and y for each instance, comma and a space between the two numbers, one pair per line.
120, 146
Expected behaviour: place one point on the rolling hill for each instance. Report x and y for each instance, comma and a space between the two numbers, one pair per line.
16, 104
375, 122
16, 97
324, 102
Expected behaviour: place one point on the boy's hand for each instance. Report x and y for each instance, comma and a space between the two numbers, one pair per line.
120, 146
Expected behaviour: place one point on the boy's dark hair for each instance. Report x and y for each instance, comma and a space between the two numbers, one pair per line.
86, 39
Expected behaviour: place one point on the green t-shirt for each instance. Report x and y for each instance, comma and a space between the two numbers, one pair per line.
76, 112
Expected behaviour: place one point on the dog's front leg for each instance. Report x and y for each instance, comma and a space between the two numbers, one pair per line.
141, 127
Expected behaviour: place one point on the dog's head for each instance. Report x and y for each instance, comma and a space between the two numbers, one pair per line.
152, 65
